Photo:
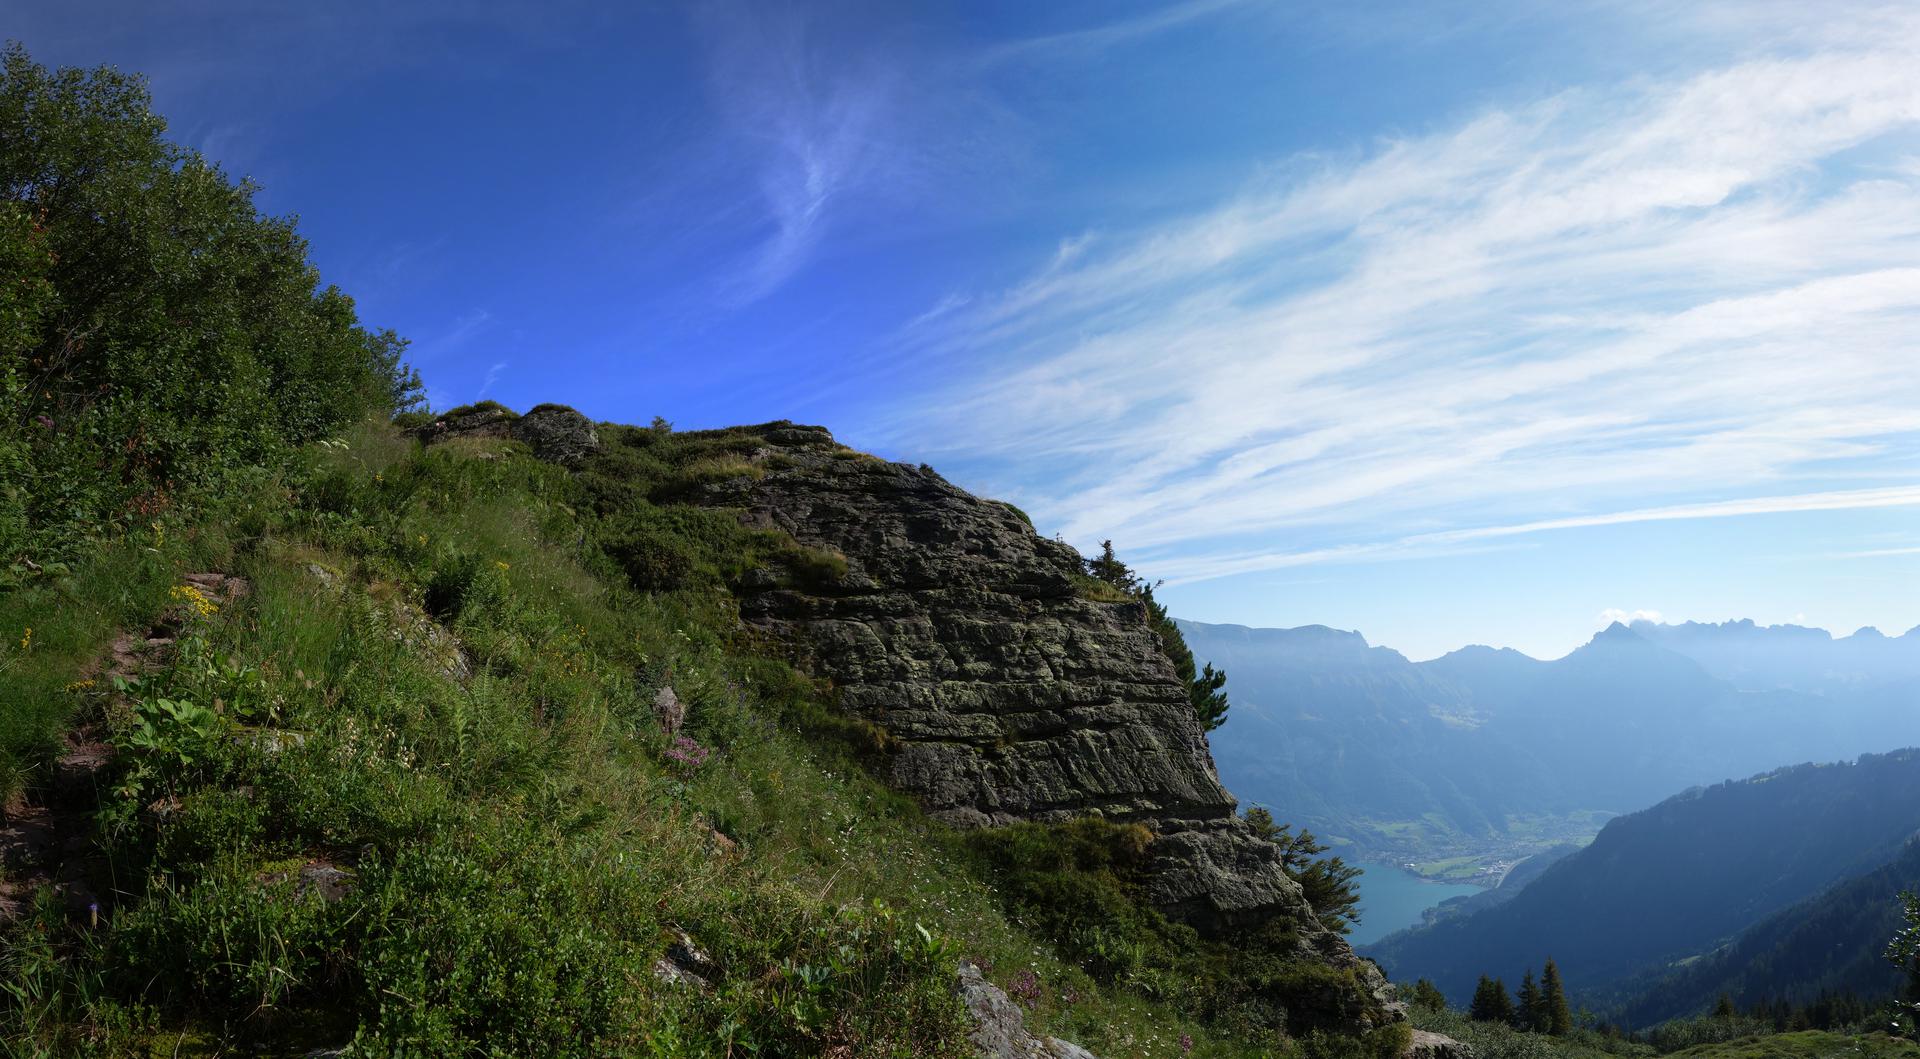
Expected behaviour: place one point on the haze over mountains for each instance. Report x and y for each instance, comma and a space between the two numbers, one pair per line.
1492, 755
1796, 867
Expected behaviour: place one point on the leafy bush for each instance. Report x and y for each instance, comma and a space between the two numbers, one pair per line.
163, 335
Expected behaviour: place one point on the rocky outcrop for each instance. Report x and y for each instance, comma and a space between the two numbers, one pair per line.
1436, 1046
1000, 1027
554, 432
1006, 695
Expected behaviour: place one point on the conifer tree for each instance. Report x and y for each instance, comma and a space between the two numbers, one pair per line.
1427, 995
1558, 1018
1491, 1002
1904, 953
1532, 1003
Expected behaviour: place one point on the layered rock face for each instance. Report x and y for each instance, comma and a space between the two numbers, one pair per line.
960, 632
554, 432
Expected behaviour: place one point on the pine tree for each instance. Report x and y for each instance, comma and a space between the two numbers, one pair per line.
1559, 1020
1427, 995
1532, 1003
1491, 1002
1107, 567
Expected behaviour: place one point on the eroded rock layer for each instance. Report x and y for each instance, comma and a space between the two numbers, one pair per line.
1008, 696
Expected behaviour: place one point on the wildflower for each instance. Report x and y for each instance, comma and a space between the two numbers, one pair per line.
687, 753
46, 422
1186, 1044
80, 685
93, 913
195, 600
26, 639
502, 566
1025, 987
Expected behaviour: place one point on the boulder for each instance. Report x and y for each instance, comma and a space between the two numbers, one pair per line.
557, 434
1436, 1046
1000, 1026
554, 432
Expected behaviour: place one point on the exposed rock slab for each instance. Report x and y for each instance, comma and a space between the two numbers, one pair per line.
1009, 697
1436, 1046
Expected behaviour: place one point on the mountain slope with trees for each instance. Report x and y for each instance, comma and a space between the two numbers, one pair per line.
1679, 880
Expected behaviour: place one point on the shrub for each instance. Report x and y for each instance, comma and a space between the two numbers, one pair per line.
175, 334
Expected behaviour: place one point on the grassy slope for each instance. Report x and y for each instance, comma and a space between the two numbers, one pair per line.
523, 841
1808, 1044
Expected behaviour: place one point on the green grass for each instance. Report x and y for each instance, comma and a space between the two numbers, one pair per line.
1458, 868
1808, 1044
442, 684
524, 840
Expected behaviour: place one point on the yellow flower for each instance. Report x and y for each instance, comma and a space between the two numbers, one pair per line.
80, 685
195, 600
26, 638
501, 565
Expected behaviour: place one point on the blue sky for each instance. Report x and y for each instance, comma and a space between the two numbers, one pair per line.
1450, 322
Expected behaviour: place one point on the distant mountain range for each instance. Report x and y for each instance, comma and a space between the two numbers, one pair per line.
1769, 887
1492, 755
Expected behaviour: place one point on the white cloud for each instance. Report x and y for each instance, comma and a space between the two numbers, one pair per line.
1627, 617
1691, 294
493, 375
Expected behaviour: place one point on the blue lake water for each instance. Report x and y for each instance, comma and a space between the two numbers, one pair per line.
1392, 898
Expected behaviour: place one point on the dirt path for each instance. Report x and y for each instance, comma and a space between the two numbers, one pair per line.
47, 836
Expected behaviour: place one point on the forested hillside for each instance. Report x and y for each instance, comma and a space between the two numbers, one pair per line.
1830, 944
1679, 880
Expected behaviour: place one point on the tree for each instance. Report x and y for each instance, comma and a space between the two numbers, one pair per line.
1724, 1009
1328, 884
1527, 1014
159, 336
1490, 1001
1205, 684
1209, 701
1904, 952
1559, 1020
1107, 567
1427, 995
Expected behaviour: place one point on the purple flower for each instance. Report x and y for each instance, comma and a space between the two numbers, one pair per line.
1025, 987
46, 422
1186, 1042
687, 753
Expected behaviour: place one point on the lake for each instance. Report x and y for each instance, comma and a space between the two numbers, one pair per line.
1392, 898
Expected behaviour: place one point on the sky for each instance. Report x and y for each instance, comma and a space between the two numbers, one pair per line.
1477, 322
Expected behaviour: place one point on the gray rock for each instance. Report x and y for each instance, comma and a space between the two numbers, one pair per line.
1006, 695
686, 964
557, 434
1000, 1027
1436, 1046
668, 710
554, 432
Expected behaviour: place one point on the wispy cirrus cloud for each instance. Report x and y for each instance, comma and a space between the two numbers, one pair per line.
822, 123
1695, 297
